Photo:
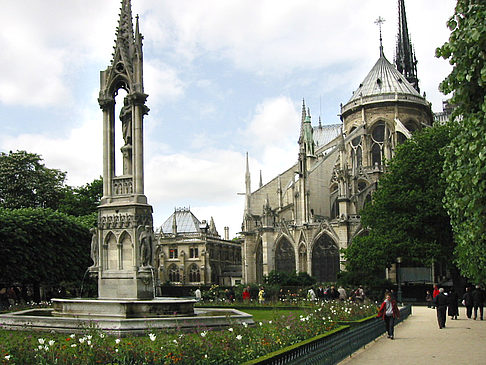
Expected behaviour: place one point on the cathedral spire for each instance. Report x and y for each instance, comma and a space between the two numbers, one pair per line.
247, 186
405, 60
261, 180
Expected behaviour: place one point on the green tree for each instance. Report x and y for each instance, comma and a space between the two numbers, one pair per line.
42, 247
406, 217
83, 201
26, 183
465, 157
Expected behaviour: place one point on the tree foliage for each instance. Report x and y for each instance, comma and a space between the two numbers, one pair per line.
406, 217
82, 201
26, 183
42, 246
289, 279
465, 157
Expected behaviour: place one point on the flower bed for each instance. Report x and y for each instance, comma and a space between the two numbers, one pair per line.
234, 345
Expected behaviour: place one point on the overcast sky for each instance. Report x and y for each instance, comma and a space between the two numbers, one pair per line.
223, 76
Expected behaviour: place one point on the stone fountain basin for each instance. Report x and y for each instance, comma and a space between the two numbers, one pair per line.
123, 308
45, 320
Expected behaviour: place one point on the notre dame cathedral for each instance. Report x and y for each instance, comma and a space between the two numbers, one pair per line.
299, 221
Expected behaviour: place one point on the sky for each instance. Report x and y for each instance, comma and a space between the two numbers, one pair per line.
224, 77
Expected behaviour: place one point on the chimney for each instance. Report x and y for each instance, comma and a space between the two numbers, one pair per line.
226, 233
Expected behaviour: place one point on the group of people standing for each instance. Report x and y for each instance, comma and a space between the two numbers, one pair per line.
442, 301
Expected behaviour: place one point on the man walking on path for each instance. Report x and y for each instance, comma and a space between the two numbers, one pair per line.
478, 301
440, 302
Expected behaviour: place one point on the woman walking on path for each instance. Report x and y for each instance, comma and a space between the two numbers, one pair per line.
468, 302
389, 312
453, 307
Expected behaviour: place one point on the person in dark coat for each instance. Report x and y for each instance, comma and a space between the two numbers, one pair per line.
441, 301
390, 313
467, 301
478, 301
453, 307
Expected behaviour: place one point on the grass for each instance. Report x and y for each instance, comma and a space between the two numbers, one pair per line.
270, 314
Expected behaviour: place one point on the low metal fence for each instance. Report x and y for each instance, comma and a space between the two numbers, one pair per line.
336, 347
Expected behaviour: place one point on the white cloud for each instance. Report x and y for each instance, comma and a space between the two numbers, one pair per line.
162, 82
78, 153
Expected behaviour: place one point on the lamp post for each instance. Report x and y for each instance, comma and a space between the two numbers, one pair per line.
399, 280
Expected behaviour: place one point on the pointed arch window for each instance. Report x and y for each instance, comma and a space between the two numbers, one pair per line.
194, 274
174, 275
285, 256
380, 140
356, 152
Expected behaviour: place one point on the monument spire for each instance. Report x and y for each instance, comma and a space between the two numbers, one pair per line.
405, 60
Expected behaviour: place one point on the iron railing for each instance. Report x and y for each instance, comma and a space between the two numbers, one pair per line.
336, 347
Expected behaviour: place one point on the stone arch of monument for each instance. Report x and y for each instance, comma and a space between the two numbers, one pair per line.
125, 244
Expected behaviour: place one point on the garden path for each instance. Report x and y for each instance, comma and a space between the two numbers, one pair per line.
418, 340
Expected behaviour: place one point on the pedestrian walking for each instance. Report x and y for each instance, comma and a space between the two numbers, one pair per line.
441, 301
390, 313
311, 295
467, 301
342, 293
197, 294
246, 294
453, 307
428, 299
478, 302
261, 296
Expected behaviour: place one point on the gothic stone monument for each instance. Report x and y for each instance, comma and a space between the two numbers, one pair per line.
124, 239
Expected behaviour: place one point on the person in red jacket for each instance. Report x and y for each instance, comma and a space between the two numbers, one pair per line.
246, 294
389, 312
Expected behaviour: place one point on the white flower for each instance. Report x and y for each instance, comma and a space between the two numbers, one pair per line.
40, 347
102, 335
204, 333
117, 341
175, 341
41, 341
116, 350
181, 335
89, 337
270, 322
51, 342
230, 329
7, 357
81, 340
260, 323
88, 342
245, 324
73, 345
152, 336
239, 337
288, 327
73, 335
206, 356
46, 348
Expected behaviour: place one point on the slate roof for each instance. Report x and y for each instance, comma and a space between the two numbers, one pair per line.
324, 134
383, 78
185, 220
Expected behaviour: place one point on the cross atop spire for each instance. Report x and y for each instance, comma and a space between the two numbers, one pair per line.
379, 22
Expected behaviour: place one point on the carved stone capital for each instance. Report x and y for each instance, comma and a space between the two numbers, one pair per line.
106, 103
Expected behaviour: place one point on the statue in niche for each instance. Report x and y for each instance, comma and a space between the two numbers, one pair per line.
145, 240
126, 119
94, 246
